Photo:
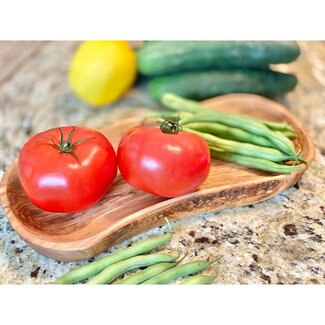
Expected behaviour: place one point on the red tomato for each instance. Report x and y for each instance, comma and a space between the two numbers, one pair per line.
70, 176
163, 164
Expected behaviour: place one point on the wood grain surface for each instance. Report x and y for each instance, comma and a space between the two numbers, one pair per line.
125, 212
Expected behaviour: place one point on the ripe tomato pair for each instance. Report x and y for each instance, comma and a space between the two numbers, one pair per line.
69, 169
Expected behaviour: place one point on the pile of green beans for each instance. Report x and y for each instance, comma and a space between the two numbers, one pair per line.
112, 272
98, 266
160, 267
246, 149
238, 138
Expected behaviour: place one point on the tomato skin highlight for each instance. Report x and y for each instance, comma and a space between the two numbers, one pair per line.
162, 164
58, 182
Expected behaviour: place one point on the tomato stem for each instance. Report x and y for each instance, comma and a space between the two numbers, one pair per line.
67, 146
170, 127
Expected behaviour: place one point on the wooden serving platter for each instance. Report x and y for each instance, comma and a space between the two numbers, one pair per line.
125, 211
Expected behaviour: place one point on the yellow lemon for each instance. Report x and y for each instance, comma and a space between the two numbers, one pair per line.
102, 71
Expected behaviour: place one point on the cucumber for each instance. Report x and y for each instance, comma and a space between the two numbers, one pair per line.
159, 58
202, 85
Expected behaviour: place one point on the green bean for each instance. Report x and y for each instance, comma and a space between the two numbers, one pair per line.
246, 149
253, 162
174, 102
180, 271
276, 126
179, 103
146, 274
230, 133
112, 272
199, 279
280, 142
95, 267
289, 134
244, 123
172, 115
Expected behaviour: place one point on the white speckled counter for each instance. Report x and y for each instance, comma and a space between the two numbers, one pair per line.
278, 241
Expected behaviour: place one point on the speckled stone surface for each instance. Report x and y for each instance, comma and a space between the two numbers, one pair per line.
278, 241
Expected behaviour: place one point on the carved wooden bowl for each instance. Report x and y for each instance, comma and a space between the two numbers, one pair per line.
125, 211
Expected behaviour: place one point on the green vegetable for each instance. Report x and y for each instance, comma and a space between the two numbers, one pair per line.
247, 149
112, 272
199, 279
184, 105
158, 58
169, 115
238, 138
283, 127
178, 103
95, 267
279, 141
202, 85
180, 271
146, 274
289, 134
253, 162
231, 133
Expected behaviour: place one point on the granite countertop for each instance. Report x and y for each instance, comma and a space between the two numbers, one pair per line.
278, 241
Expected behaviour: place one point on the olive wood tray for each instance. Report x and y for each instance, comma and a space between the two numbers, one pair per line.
125, 211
